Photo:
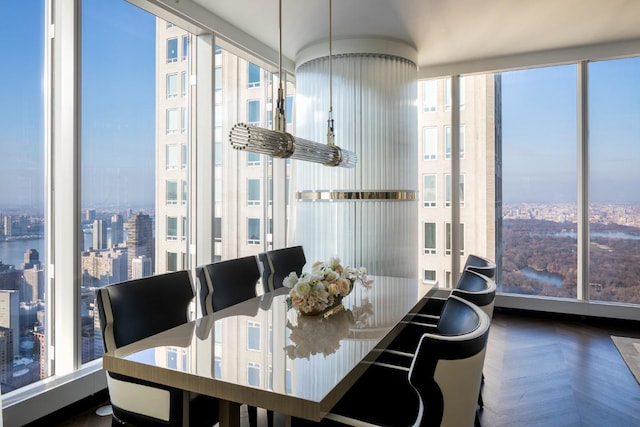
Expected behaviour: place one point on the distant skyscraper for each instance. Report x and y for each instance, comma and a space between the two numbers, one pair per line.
117, 230
141, 267
31, 259
10, 317
7, 228
90, 215
99, 234
139, 239
103, 267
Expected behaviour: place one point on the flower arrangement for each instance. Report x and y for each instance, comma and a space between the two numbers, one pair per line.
324, 287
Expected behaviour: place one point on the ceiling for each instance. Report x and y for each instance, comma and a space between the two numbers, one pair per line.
442, 31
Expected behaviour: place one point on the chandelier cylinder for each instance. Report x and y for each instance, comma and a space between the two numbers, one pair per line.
284, 145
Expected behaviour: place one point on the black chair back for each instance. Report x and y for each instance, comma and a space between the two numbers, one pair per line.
278, 263
480, 265
136, 309
477, 289
232, 281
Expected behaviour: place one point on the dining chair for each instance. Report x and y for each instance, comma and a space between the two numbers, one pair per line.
474, 287
480, 265
438, 387
130, 311
231, 282
278, 264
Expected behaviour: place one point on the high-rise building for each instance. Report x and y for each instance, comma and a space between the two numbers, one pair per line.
117, 229
90, 215
139, 239
141, 267
104, 267
477, 141
7, 225
100, 235
10, 316
31, 259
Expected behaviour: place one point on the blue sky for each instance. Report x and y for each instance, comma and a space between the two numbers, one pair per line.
118, 134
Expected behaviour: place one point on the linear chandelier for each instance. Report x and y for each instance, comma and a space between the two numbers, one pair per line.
281, 144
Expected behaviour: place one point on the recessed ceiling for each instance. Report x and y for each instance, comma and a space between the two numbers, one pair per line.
442, 31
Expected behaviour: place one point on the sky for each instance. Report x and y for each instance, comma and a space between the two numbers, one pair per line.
118, 116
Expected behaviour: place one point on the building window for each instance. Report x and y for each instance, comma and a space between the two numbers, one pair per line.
185, 192
217, 83
429, 238
184, 155
253, 192
447, 190
172, 85
253, 374
253, 336
429, 191
429, 143
254, 75
184, 232
172, 261
172, 192
217, 366
184, 121
429, 98
217, 154
253, 112
217, 229
172, 121
289, 110
172, 50
447, 93
185, 47
172, 228
173, 156
447, 234
253, 159
429, 276
185, 83
253, 231
447, 142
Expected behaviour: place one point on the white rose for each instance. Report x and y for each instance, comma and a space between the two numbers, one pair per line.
291, 280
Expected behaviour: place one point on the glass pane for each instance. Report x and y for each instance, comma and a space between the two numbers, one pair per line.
122, 143
614, 199
539, 182
24, 342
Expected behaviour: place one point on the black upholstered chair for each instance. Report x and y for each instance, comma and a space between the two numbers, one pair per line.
480, 265
472, 286
438, 387
231, 282
278, 263
136, 309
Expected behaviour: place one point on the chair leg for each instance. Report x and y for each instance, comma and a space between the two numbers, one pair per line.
252, 411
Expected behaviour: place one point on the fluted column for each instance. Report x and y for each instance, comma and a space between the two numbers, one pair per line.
367, 215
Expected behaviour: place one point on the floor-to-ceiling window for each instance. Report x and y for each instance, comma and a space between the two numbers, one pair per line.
539, 181
119, 179
614, 198
24, 342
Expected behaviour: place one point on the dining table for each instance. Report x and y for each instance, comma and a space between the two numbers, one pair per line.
264, 353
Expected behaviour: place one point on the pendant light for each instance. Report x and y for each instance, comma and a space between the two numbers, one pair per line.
281, 144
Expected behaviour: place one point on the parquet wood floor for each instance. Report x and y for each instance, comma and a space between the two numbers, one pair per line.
539, 371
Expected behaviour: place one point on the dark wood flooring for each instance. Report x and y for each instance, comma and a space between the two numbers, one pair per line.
539, 371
